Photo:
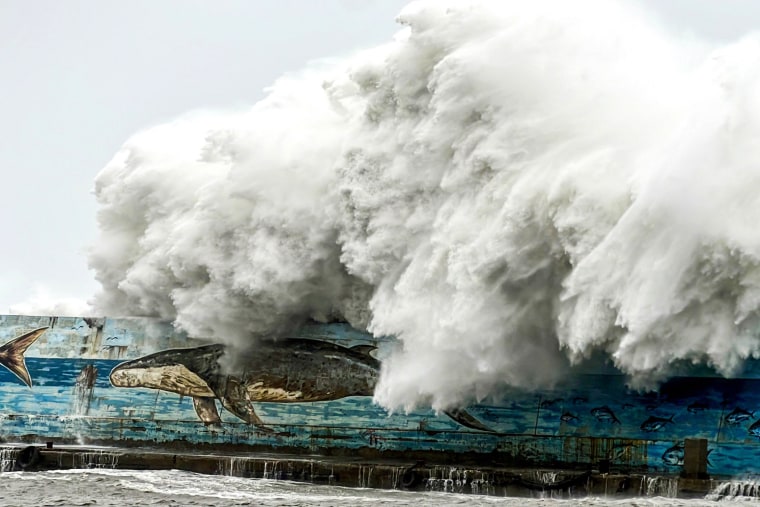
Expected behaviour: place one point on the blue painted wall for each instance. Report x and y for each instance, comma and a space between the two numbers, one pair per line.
590, 417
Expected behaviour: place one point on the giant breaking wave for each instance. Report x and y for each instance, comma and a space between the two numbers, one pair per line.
507, 188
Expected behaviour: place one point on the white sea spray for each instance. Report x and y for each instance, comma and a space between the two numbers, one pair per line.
506, 187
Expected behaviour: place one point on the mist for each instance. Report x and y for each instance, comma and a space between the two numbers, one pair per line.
505, 188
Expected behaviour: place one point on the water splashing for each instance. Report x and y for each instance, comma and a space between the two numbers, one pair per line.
504, 185
659, 486
96, 459
740, 489
8, 458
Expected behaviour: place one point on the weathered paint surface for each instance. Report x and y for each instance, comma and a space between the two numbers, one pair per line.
591, 417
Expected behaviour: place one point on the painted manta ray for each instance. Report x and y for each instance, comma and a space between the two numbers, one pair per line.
291, 370
12, 354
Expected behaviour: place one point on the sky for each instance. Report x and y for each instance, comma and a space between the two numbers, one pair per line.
80, 76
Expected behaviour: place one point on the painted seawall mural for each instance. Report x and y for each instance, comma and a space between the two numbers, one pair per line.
140, 382
289, 370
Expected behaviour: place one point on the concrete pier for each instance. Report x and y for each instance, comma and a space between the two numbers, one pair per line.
359, 472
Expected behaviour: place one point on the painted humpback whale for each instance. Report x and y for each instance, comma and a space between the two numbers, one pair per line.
291, 370
12, 354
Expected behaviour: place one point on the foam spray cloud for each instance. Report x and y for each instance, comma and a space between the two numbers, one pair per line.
504, 187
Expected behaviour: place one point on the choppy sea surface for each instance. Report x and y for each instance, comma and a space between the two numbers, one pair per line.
108, 487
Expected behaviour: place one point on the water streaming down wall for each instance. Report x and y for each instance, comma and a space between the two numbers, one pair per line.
245, 466
452, 480
234, 466
269, 469
97, 459
8, 459
481, 485
659, 486
365, 476
362, 476
744, 489
547, 478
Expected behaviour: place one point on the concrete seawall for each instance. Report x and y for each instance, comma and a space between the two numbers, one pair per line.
358, 472
94, 382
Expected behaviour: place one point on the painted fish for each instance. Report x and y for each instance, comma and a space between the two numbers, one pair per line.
673, 456
754, 430
568, 417
579, 400
292, 370
655, 423
466, 419
604, 414
619, 451
12, 354
738, 416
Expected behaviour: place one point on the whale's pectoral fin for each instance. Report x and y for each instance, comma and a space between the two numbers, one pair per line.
464, 418
235, 399
207, 412
12, 354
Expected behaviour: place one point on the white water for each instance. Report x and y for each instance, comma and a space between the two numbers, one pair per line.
746, 489
140, 488
505, 187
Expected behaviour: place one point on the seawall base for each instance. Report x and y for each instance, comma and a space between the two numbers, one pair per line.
359, 472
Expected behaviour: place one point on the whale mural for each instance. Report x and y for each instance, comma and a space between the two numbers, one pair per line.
12, 354
289, 370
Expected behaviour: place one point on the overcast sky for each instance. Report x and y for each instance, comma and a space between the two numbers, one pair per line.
80, 76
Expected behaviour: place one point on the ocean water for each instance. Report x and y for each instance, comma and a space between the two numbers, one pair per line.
106, 487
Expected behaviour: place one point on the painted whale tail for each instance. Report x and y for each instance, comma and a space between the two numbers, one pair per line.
12, 354
466, 419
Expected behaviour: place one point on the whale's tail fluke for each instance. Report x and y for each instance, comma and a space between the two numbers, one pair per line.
464, 418
12, 354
